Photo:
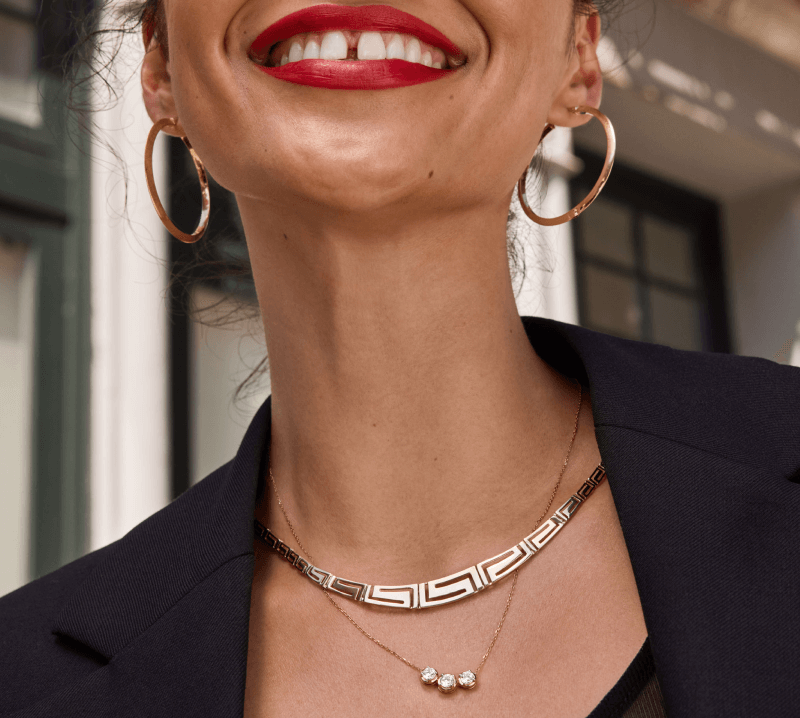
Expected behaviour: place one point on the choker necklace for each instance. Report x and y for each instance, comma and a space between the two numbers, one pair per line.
443, 590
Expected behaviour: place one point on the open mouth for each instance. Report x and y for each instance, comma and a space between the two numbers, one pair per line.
359, 45
343, 47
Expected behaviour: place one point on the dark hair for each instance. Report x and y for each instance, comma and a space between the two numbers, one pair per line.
93, 57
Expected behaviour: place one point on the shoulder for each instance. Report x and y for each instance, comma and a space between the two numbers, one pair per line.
744, 408
37, 657
32, 662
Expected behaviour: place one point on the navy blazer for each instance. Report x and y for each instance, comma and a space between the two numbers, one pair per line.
703, 458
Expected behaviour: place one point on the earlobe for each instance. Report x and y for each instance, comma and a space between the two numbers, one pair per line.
157, 89
583, 82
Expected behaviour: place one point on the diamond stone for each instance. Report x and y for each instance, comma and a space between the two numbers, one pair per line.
466, 679
447, 683
429, 675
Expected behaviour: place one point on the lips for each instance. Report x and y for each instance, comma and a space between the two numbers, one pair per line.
359, 74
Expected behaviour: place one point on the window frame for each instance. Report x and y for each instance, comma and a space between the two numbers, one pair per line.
45, 202
646, 194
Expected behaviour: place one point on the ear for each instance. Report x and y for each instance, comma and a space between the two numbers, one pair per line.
583, 79
157, 86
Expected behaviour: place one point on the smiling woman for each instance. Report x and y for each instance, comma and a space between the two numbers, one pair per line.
418, 426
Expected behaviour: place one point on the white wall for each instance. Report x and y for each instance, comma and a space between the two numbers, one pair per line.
129, 452
18, 270
546, 293
763, 231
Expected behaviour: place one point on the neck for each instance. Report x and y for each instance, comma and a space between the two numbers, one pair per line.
408, 406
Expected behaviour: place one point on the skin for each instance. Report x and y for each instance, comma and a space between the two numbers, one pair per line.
409, 408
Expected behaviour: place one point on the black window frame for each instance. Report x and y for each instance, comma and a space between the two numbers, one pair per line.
676, 204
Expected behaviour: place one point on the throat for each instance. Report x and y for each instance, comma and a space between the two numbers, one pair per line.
414, 493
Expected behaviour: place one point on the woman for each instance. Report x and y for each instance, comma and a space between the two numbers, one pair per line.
418, 426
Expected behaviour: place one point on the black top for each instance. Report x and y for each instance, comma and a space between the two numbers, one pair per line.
637, 693
702, 453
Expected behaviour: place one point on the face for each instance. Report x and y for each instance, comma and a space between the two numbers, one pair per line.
459, 141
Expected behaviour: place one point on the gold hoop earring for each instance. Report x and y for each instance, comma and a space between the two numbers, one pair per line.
151, 184
575, 211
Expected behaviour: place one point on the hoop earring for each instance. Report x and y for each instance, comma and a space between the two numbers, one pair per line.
151, 184
575, 211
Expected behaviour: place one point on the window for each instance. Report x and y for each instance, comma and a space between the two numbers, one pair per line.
34, 36
17, 324
648, 261
19, 99
44, 295
18, 39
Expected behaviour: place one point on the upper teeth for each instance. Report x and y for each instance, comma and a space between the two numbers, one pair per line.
346, 44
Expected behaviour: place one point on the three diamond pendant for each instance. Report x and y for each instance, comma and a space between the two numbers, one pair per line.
446, 683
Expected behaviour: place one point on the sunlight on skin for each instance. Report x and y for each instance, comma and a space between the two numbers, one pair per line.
375, 222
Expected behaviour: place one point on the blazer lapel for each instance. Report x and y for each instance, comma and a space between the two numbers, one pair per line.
172, 599
698, 468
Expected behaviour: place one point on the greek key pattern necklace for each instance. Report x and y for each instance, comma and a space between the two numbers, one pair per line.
444, 590
450, 588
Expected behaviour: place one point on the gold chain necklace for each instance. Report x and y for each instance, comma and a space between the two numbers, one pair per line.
508, 562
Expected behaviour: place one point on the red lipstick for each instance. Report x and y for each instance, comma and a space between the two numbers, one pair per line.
360, 74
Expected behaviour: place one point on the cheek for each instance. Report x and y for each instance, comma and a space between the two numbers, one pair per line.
201, 77
521, 80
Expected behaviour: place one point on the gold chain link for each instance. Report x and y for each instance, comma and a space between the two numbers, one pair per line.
513, 585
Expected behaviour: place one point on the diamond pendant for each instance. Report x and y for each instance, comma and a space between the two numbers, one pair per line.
429, 676
447, 682
467, 679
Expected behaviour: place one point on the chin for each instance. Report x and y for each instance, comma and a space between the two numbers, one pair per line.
364, 182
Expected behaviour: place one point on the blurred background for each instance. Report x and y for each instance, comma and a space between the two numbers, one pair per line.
113, 400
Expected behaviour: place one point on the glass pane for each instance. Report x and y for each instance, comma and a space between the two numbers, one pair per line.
28, 6
676, 320
611, 303
12, 266
17, 48
668, 251
17, 303
607, 231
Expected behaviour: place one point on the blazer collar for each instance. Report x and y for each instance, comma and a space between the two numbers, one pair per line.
162, 559
684, 481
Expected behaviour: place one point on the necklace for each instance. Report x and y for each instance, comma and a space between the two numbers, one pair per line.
444, 590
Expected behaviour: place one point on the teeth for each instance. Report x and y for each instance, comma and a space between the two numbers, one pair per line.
360, 45
296, 52
413, 51
395, 49
312, 48
371, 47
334, 46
